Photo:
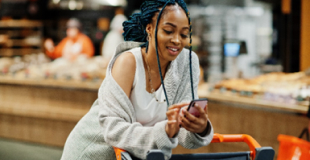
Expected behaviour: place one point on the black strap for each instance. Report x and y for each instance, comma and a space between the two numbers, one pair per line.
305, 131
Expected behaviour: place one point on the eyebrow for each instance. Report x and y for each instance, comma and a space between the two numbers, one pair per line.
173, 25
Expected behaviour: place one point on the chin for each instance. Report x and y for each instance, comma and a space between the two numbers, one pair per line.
172, 57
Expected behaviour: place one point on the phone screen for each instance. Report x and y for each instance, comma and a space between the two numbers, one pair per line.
201, 103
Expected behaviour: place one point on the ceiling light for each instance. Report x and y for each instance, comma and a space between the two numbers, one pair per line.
72, 5
56, 1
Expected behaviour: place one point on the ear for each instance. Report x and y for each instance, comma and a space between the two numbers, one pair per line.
149, 29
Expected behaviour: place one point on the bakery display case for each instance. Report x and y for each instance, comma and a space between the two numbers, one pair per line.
264, 107
20, 37
45, 99
287, 88
40, 67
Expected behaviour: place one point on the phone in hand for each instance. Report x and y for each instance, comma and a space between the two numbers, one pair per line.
200, 102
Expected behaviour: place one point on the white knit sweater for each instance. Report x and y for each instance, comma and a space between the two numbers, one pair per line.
111, 121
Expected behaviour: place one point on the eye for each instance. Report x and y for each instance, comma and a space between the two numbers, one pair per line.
184, 36
168, 32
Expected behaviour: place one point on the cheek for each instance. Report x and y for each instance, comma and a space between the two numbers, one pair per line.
162, 37
185, 42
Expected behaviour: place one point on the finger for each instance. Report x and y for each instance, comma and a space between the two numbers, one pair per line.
174, 115
200, 110
192, 124
171, 113
193, 127
189, 116
206, 109
178, 105
171, 122
185, 123
189, 126
202, 114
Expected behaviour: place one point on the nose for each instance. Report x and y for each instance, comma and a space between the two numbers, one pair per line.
176, 39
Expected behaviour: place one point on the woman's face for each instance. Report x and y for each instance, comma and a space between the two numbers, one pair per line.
173, 31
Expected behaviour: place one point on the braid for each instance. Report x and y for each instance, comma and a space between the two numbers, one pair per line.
190, 54
156, 47
183, 5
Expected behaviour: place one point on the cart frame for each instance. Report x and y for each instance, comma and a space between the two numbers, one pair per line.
256, 151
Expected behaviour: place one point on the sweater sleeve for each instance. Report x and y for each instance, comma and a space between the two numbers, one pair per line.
120, 129
188, 139
57, 52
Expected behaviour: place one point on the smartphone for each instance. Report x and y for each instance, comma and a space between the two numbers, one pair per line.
201, 103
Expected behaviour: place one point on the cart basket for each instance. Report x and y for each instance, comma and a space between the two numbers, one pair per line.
256, 151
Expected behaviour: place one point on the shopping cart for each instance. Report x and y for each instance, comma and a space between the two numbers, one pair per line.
256, 151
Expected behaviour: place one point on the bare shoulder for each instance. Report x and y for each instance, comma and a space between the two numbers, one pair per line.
123, 71
126, 62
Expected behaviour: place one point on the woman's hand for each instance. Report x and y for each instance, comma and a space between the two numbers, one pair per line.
192, 123
173, 124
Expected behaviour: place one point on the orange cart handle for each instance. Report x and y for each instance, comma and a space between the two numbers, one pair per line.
252, 143
218, 138
118, 153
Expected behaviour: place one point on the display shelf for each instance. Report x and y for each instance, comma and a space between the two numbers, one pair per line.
18, 51
17, 33
23, 42
250, 102
70, 84
20, 37
20, 23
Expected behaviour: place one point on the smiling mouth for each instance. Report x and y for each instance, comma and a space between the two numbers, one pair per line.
173, 49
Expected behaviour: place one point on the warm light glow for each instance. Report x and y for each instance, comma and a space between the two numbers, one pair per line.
115, 2
79, 5
56, 1
72, 5
112, 2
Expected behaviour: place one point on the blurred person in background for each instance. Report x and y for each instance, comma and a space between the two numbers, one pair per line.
76, 43
114, 37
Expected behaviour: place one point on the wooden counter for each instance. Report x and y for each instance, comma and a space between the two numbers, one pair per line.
45, 111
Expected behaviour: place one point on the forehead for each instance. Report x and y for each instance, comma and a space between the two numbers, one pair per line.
174, 14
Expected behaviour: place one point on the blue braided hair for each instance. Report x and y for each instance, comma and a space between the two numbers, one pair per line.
134, 29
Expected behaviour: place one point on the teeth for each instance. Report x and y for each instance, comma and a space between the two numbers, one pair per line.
173, 49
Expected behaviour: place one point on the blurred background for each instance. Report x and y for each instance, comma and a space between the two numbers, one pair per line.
53, 56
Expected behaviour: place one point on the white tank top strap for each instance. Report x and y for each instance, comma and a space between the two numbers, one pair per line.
137, 53
148, 110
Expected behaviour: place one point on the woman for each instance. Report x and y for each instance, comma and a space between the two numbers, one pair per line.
133, 109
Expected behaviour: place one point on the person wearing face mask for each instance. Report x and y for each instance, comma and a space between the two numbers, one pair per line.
76, 43
149, 83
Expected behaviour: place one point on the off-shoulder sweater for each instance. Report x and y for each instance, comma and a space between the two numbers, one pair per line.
111, 121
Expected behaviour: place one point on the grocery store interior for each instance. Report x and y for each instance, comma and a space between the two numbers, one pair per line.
253, 58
